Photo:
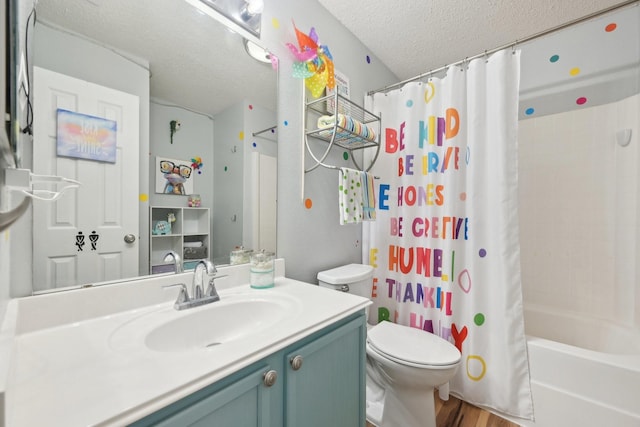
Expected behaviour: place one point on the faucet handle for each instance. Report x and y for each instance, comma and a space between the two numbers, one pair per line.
183, 296
211, 289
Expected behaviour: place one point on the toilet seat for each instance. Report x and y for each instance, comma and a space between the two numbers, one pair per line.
412, 347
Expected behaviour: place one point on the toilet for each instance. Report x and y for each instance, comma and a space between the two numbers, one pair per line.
404, 365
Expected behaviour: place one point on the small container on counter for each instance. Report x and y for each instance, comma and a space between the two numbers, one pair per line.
262, 270
240, 255
193, 200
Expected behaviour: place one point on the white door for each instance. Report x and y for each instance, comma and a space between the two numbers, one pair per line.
91, 233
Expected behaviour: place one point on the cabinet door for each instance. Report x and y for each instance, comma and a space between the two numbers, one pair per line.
245, 402
325, 379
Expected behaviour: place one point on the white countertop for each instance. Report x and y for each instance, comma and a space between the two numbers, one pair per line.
97, 371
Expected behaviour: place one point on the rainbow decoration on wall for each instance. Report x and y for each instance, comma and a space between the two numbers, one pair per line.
315, 63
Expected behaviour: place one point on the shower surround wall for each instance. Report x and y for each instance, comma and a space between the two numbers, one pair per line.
579, 209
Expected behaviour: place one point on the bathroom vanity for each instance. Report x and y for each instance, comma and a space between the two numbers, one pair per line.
122, 355
318, 381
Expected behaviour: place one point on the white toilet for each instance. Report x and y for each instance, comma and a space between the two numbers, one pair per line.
404, 364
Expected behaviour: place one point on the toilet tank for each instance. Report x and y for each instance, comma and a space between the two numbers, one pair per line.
356, 279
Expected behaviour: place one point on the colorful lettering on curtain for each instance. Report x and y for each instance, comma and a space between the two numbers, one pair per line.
445, 244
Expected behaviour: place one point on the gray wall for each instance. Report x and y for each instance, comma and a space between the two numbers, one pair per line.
194, 138
232, 216
312, 240
227, 181
256, 118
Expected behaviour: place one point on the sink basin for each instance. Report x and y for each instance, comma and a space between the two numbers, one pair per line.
215, 324
235, 317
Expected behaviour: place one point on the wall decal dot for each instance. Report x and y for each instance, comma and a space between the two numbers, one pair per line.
463, 196
308, 203
254, 145
241, 136
554, 58
482, 252
574, 71
345, 155
143, 197
582, 100
286, 123
611, 27
225, 168
273, 131
275, 23
368, 59
409, 103
529, 111
250, 107
478, 319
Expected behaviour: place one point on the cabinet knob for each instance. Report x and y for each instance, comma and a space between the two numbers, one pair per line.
296, 362
269, 378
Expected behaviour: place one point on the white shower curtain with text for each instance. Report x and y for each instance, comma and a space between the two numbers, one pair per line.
445, 243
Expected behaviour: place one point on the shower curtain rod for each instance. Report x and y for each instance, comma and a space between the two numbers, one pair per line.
513, 44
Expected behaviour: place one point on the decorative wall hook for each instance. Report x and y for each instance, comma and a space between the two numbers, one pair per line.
174, 126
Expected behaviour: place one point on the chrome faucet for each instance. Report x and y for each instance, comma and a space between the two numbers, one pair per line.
203, 266
198, 296
177, 261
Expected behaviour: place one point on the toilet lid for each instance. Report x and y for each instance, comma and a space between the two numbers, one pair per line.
412, 345
346, 274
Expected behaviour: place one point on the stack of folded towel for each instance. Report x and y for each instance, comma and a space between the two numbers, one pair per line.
346, 123
356, 196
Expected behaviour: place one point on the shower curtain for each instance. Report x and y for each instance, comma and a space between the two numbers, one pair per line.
445, 243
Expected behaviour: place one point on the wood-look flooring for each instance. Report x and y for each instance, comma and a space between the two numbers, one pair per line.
457, 413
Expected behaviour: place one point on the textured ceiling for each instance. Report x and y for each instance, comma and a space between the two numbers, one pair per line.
434, 33
594, 62
187, 68
410, 37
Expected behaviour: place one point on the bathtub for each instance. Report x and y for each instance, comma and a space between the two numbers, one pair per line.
584, 372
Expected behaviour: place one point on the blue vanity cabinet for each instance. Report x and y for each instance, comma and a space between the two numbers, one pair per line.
240, 400
325, 379
320, 381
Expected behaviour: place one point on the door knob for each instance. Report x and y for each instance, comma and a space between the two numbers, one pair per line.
129, 238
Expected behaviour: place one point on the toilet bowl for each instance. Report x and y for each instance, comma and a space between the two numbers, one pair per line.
404, 364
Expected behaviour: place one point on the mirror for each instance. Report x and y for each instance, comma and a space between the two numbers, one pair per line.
198, 75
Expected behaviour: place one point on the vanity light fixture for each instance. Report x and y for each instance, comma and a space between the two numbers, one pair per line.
241, 16
251, 9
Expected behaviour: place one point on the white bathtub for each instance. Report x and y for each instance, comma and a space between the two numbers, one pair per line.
584, 372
